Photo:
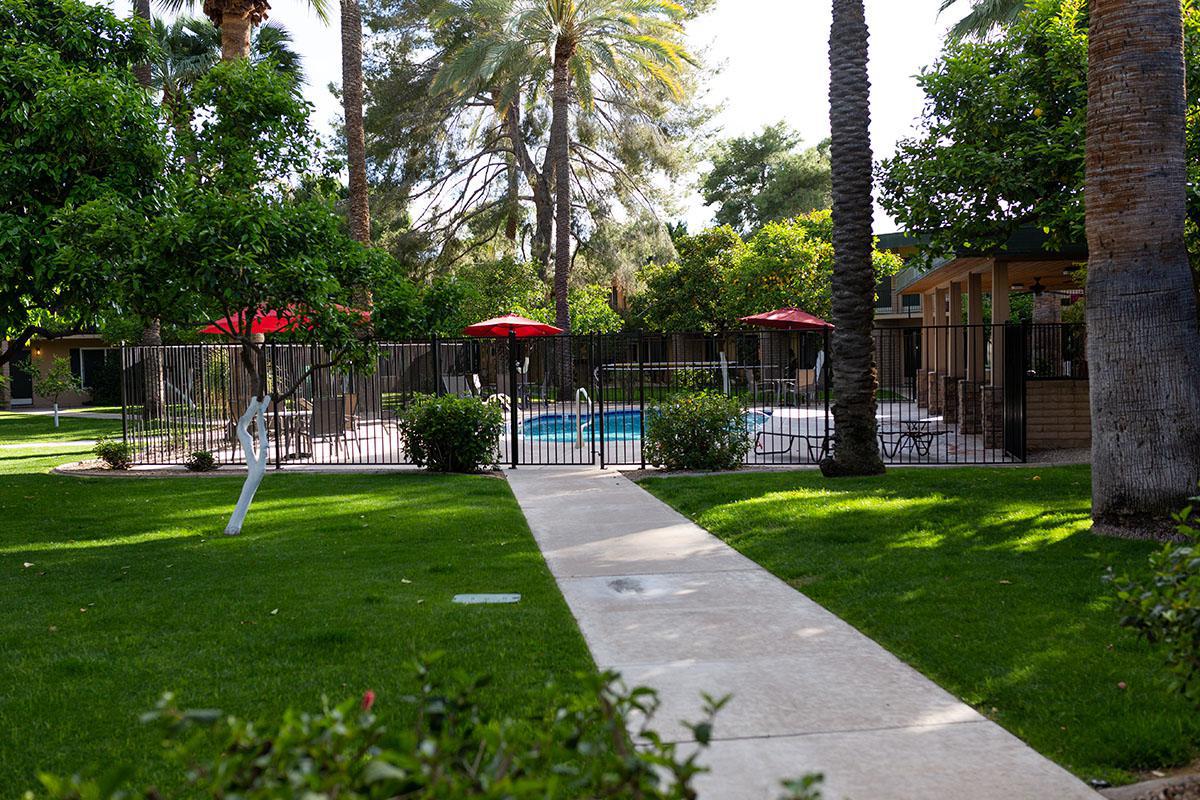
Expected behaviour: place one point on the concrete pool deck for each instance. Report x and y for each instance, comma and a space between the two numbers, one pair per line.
672, 607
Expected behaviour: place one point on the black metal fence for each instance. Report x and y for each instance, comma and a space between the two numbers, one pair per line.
575, 399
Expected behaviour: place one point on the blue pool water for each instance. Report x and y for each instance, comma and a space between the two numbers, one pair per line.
619, 426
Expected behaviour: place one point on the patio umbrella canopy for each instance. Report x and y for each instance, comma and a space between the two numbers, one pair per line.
792, 319
501, 327
269, 322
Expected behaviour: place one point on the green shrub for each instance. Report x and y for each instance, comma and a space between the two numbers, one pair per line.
689, 379
580, 749
705, 431
1166, 606
114, 452
201, 461
451, 434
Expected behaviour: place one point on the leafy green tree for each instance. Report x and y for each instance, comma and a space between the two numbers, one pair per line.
248, 226
790, 264
75, 126
766, 177
56, 381
1001, 140
685, 295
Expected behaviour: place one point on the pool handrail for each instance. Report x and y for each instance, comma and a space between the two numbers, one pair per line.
579, 415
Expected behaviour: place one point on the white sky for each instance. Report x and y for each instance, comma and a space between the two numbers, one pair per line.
774, 57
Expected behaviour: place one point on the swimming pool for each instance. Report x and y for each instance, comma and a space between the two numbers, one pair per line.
619, 426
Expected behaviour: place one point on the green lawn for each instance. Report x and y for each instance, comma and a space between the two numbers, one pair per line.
16, 428
337, 584
986, 580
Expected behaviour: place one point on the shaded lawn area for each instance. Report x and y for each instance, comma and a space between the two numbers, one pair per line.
16, 428
986, 580
338, 583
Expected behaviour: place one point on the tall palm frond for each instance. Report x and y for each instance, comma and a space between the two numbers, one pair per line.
984, 16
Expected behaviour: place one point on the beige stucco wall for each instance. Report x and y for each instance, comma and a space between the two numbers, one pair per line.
1058, 414
42, 355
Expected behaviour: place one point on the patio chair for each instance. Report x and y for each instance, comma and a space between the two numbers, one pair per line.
809, 386
329, 420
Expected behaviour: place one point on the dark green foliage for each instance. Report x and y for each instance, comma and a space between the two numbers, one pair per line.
454, 750
74, 126
201, 461
1165, 607
105, 389
766, 178
114, 452
702, 431
451, 434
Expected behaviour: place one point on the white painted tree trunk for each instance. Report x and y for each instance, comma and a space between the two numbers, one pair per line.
256, 462
56, 415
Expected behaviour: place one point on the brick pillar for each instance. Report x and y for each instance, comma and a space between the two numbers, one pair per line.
936, 384
922, 388
970, 411
993, 417
948, 387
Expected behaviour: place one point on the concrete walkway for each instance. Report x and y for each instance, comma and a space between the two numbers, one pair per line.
671, 606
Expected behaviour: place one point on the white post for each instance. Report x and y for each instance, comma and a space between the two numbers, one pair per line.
256, 463
56, 414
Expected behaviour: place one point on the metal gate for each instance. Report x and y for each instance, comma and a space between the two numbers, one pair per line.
1016, 365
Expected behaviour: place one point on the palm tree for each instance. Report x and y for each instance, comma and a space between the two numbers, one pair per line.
189, 47
237, 19
984, 16
613, 48
856, 451
352, 106
1143, 341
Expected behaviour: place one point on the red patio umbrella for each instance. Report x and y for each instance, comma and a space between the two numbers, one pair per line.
502, 326
270, 321
792, 319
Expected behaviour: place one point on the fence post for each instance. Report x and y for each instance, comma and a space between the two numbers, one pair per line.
437, 365
600, 392
124, 397
827, 450
641, 395
512, 396
275, 406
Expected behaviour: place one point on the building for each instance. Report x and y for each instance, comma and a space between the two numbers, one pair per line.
93, 361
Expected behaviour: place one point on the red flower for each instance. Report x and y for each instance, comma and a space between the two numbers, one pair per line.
368, 700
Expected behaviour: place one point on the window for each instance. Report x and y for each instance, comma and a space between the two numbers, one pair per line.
883, 293
87, 363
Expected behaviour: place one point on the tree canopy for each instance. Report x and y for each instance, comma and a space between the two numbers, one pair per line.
719, 277
75, 127
1001, 143
766, 177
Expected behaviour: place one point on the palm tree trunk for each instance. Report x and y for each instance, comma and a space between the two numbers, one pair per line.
560, 149
1143, 340
141, 9
856, 451
235, 36
352, 102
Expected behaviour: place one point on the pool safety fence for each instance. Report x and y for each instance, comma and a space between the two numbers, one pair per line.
589, 399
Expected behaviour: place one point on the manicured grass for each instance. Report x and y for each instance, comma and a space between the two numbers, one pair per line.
337, 584
987, 580
16, 428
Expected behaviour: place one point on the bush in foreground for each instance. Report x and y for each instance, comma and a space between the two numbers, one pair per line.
451, 434
1166, 607
703, 431
581, 749
115, 453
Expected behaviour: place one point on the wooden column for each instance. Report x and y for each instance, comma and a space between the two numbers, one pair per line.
975, 339
927, 348
939, 319
954, 334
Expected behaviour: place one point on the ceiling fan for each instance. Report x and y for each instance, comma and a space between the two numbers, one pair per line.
1038, 289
